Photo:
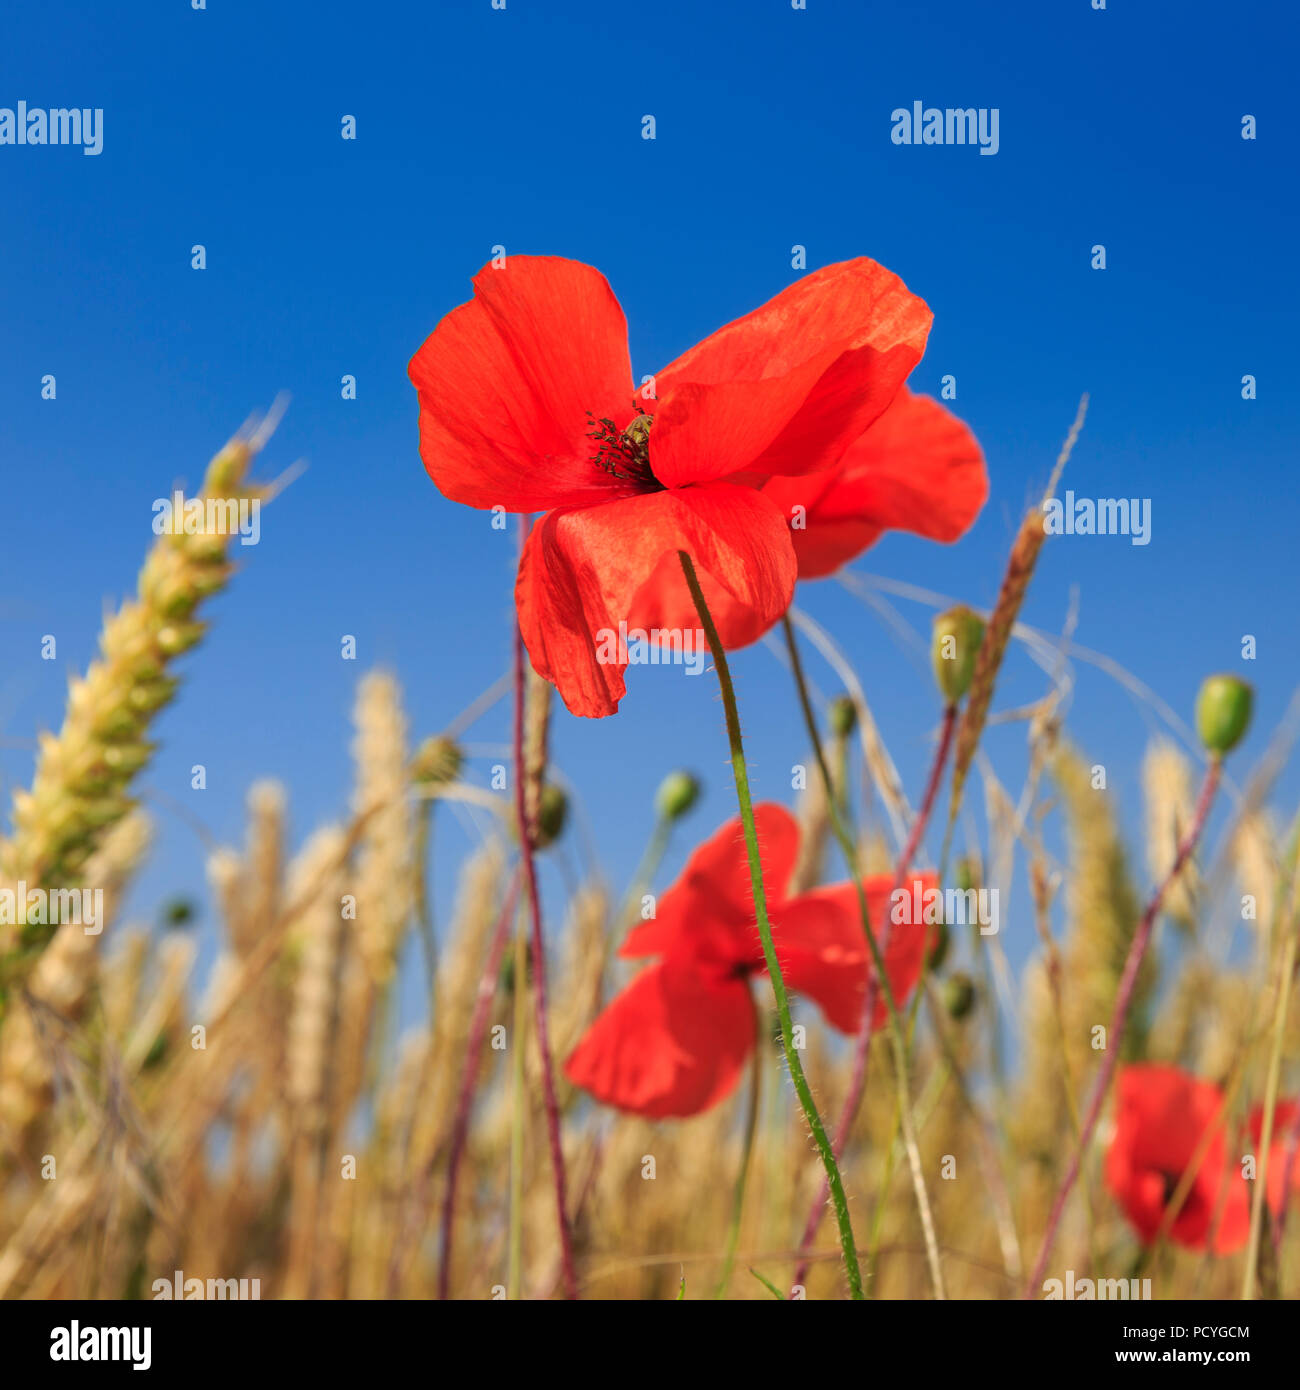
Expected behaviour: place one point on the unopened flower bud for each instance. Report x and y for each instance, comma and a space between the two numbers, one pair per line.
959, 995
178, 912
1222, 712
954, 646
437, 760
677, 793
844, 716
552, 812
942, 940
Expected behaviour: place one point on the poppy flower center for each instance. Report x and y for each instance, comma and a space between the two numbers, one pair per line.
624, 454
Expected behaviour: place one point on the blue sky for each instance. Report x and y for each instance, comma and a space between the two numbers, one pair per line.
523, 127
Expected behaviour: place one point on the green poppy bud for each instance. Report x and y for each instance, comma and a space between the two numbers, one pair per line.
1222, 712
677, 793
177, 913
437, 760
954, 646
942, 940
552, 812
844, 716
959, 995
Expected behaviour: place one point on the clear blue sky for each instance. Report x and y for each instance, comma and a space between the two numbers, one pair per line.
523, 127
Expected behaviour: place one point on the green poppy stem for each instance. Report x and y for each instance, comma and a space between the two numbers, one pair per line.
802, 1089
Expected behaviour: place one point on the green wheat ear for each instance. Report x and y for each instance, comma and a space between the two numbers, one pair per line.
81, 786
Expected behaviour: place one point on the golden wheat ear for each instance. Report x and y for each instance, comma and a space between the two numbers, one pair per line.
81, 787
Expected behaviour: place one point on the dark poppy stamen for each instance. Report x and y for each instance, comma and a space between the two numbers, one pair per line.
624, 454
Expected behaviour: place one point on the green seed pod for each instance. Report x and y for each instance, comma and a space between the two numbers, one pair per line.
1223, 710
959, 995
954, 645
677, 793
178, 912
939, 951
552, 812
844, 716
438, 760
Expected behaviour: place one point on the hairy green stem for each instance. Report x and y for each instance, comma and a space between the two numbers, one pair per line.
802, 1090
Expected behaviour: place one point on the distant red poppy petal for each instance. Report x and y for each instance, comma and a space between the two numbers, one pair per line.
1283, 1118
823, 955
788, 387
710, 908
505, 382
669, 1045
1161, 1114
582, 569
825, 942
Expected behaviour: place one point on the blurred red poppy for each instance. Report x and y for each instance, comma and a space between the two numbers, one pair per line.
527, 404
675, 1040
1284, 1114
1161, 1117
918, 468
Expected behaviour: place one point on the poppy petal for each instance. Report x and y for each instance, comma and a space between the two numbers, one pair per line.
709, 910
505, 382
1161, 1115
1284, 1114
583, 568
788, 387
918, 469
669, 1045
821, 936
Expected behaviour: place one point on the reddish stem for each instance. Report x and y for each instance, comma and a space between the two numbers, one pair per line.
862, 1043
1123, 1002
487, 988
526, 832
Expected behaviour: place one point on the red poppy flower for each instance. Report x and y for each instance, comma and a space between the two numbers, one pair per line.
1283, 1118
1161, 1116
527, 403
675, 1040
918, 468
